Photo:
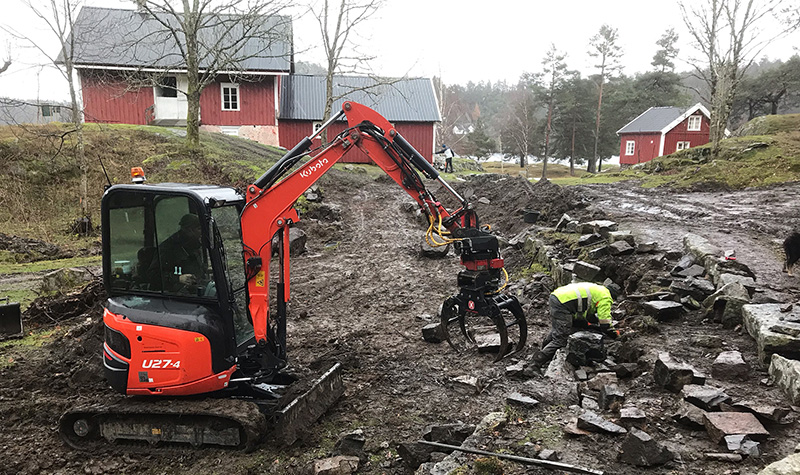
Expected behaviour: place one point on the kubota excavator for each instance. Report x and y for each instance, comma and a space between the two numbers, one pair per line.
188, 325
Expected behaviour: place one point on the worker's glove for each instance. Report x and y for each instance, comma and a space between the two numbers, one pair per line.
609, 331
187, 279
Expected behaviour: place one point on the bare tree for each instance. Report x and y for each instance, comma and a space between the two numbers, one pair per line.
729, 36
554, 71
603, 46
59, 17
207, 39
339, 21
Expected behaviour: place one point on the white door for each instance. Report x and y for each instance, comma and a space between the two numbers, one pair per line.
170, 98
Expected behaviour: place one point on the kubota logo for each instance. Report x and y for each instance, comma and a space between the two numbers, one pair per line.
313, 168
156, 364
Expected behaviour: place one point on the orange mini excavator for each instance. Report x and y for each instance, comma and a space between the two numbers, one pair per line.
188, 326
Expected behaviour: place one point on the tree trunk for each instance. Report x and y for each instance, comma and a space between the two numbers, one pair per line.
593, 161
328, 102
572, 153
193, 87
80, 150
547, 139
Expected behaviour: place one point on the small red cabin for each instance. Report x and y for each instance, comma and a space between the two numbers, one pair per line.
661, 131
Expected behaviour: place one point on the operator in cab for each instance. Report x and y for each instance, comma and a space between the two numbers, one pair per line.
182, 266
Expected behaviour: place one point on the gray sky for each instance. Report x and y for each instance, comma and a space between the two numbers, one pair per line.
459, 40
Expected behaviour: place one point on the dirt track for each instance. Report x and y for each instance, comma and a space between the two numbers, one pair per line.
362, 293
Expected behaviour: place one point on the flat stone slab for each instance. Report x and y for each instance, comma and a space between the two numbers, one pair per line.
674, 375
705, 397
771, 329
663, 309
632, 415
730, 365
585, 271
764, 412
690, 416
620, 248
695, 270
748, 282
592, 422
720, 424
521, 400
700, 247
786, 374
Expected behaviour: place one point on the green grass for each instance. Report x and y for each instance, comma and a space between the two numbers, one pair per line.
40, 266
22, 296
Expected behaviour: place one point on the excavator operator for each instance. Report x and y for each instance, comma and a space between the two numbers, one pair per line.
182, 265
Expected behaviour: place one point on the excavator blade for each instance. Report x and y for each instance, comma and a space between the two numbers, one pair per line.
291, 421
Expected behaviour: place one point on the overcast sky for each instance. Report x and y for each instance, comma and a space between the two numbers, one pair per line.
459, 40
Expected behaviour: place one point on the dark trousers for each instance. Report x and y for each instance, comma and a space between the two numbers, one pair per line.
448, 165
561, 328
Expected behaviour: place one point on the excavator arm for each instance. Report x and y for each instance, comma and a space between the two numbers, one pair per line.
269, 212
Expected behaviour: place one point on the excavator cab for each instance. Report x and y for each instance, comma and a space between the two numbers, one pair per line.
176, 317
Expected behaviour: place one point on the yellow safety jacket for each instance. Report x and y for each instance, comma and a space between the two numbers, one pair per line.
586, 301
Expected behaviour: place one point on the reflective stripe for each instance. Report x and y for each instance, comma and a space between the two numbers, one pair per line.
580, 299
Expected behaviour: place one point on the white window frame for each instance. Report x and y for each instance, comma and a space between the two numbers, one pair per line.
630, 147
695, 123
315, 126
232, 86
683, 146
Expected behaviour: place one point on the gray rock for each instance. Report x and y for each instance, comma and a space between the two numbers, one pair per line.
698, 289
690, 303
626, 236
722, 457
351, 444
599, 226
611, 396
590, 404
730, 365
599, 252
626, 370
339, 465
693, 271
594, 423
580, 374
620, 248
521, 400
584, 347
741, 444
705, 397
764, 412
548, 454
432, 333
64, 280
602, 379
450, 434
673, 375
646, 247
726, 304
571, 227
663, 310
585, 271
747, 282
786, 374
700, 247
562, 223
787, 466
690, 416
589, 239
764, 322
641, 450
632, 416
414, 454
297, 242
515, 369
685, 262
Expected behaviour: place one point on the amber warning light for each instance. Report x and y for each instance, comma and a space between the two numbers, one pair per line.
137, 175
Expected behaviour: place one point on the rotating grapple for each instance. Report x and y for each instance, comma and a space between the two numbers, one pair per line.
480, 297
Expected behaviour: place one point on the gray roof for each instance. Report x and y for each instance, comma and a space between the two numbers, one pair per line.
653, 119
127, 38
399, 100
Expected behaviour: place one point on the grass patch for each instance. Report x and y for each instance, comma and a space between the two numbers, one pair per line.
488, 466
530, 271
22, 296
31, 340
41, 266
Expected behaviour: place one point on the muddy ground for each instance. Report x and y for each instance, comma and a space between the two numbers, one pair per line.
361, 294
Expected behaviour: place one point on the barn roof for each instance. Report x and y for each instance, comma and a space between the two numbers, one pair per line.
125, 39
661, 119
399, 100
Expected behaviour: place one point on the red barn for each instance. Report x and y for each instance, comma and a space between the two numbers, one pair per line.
130, 72
662, 131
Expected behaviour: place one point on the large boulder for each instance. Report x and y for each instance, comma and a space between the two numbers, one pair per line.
787, 466
725, 305
786, 374
585, 347
773, 330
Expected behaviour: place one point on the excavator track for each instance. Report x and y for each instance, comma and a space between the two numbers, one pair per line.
238, 424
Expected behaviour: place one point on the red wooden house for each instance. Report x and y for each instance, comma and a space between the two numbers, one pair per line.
129, 72
662, 131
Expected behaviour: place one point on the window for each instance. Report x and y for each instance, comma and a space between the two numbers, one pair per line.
316, 126
230, 96
46, 112
630, 145
168, 87
683, 146
694, 123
